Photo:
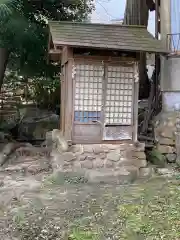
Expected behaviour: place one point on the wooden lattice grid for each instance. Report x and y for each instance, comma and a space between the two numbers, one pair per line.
88, 92
119, 95
93, 90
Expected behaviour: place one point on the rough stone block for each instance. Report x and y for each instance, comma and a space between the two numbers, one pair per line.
140, 163
126, 153
61, 161
171, 157
77, 165
124, 162
98, 149
166, 141
145, 172
112, 146
98, 163
108, 164
67, 156
167, 132
166, 172
88, 148
88, 164
77, 148
81, 157
165, 149
113, 156
139, 155
102, 155
140, 147
90, 157
122, 176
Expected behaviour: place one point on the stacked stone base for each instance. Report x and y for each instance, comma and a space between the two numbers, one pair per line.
103, 162
165, 133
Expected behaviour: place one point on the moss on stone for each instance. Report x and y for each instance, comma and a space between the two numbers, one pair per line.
157, 158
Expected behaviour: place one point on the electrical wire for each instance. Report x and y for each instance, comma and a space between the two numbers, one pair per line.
99, 2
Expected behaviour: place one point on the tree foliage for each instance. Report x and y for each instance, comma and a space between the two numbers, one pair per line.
24, 40
24, 31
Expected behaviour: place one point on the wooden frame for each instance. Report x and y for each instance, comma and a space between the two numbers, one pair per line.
80, 127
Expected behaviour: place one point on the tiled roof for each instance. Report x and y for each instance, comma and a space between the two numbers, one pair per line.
105, 36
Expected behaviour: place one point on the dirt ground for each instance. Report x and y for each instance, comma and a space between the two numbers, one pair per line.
37, 204
52, 206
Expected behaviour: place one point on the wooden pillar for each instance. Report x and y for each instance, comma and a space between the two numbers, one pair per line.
67, 92
136, 97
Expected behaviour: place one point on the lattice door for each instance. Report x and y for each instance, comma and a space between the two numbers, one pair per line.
118, 109
119, 95
88, 92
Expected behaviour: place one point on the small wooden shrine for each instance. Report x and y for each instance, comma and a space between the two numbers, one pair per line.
99, 78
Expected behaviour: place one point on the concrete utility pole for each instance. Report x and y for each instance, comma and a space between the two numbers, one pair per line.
165, 20
165, 28
170, 65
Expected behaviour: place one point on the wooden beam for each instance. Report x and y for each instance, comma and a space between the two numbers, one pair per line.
55, 51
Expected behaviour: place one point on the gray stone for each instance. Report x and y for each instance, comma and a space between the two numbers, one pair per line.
68, 157
82, 157
36, 168
125, 153
109, 147
88, 148
75, 148
90, 157
145, 172
140, 155
77, 165
35, 124
124, 162
140, 163
167, 132
166, 141
122, 176
58, 161
87, 164
140, 147
59, 141
98, 163
166, 172
113, 156
171, 157
102, 156
98, 149
108, 164
165, 149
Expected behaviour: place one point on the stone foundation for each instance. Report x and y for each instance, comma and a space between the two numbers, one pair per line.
165, 134
102, 162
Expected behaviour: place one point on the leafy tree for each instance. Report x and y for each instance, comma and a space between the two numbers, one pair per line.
24, 32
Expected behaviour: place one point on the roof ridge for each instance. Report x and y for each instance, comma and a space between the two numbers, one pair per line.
97, 24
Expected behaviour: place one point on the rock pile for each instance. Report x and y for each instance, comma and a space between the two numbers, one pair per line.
103, 162
165, 134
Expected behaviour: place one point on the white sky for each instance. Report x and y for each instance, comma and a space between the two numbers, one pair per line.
106, 10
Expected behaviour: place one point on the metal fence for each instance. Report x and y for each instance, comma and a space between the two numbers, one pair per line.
173, 42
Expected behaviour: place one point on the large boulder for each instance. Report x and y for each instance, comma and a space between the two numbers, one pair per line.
35, 123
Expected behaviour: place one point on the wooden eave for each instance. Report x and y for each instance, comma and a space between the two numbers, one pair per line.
54, 51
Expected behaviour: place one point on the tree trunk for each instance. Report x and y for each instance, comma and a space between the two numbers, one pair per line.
4, 56
137, 13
